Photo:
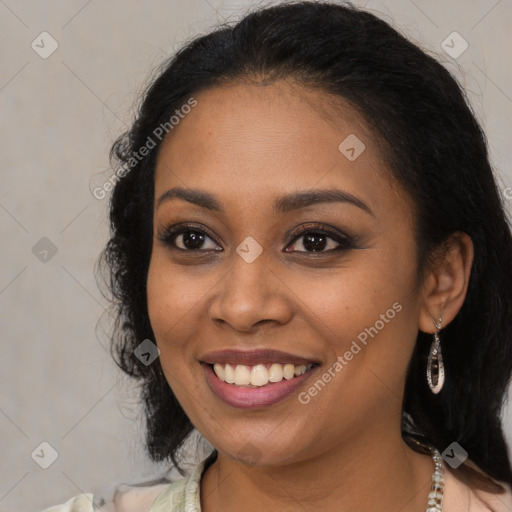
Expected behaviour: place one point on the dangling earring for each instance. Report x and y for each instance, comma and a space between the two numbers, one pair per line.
435, 366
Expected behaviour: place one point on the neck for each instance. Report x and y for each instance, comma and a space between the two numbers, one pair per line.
364, 474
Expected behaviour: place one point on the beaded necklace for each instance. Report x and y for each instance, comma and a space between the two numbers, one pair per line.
435, 497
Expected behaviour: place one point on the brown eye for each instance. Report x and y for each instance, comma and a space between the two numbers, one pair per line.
187, 238
319, 240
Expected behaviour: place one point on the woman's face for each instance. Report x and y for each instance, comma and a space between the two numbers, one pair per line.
244, 285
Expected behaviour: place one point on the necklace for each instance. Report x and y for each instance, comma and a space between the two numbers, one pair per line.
435, 497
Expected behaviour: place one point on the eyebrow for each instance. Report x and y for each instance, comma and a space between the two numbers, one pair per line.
284, 204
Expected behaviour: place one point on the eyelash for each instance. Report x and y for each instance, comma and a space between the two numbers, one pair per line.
169, 234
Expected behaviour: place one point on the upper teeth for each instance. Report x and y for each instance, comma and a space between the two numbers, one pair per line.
259, 375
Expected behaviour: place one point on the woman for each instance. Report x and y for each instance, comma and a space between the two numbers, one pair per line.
307, 227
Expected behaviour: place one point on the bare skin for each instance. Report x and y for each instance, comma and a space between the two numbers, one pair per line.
247, 145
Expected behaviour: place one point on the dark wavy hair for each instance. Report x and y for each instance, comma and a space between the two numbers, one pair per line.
437, 152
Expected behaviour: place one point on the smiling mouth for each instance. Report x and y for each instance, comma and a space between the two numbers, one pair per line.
258, 375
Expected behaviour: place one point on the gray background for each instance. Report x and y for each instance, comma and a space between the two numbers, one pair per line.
59, 116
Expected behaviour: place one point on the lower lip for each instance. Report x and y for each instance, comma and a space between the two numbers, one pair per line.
257, 397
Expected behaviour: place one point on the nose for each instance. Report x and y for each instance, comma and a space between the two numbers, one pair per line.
251, 294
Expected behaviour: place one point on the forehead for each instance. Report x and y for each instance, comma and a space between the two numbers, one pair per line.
247, 114
262, 139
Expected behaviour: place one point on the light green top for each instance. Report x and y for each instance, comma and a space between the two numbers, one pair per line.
179, 496
183, 496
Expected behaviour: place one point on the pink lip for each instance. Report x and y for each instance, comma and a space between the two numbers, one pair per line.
254, 357
257, 397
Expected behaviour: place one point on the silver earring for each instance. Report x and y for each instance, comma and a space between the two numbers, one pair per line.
435, 366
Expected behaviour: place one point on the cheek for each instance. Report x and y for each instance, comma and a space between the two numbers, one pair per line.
367, 313
172, 303
354, 297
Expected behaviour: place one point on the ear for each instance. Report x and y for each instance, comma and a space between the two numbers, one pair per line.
445, 285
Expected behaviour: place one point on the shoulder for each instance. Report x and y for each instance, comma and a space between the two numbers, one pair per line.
460, 497
178, 496
79, 503
127, 498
